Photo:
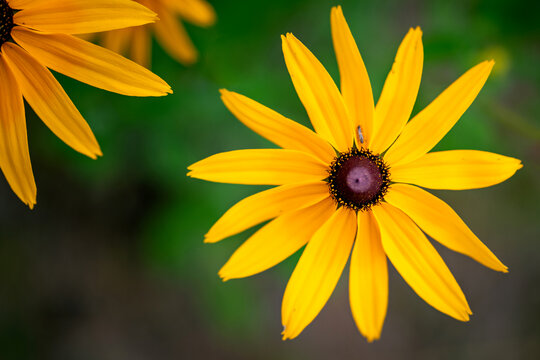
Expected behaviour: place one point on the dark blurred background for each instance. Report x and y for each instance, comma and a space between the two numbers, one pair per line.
111, 263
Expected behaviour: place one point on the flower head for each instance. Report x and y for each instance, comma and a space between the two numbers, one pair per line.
169, 31
352, 188
38, 35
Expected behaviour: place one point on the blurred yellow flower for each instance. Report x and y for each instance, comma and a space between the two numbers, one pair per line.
354, 185
36, 35
169, 31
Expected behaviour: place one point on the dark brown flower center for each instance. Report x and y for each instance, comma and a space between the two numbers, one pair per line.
358, 179
6, 21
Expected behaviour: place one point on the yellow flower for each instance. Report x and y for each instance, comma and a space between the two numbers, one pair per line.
169, 31
36, 35
352, 186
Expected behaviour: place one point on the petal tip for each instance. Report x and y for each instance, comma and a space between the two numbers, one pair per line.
209, 239
487, 65
224, 93
336, 9
192, 166
465, 316
285, 335
223, 277
93, 151
372, 338
499, 266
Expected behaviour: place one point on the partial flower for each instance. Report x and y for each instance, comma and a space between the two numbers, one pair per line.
169, 31
37, 35
353, 188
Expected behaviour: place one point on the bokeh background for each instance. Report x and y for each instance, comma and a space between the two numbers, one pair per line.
111, 263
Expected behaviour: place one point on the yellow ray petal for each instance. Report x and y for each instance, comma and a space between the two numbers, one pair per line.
317, 272
439, 221
260, 167
90, 63
427, 128
197, 12
355, 84
457, 170
117, 40
277, 240
83, 16
172, 35
368, 280
14, 156
418, 262
20, 4
318, 93
266, 205
277, 128
399, 92
141, 46
49, 101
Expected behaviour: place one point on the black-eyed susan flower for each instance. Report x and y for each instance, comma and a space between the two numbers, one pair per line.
36, 35
355, 185
169, 31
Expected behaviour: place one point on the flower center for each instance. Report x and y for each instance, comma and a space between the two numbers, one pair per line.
6, 21
358, 179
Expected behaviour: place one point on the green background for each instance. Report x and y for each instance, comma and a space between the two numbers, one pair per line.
111, 263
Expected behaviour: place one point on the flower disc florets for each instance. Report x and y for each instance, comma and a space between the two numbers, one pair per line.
358, 179
6, 21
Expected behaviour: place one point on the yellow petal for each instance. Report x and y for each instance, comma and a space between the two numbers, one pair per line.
277, 240
457, 170
427, 128
172, 35
49, 101
14, 156
141, 46
198, 12
318, 93
418, 262
83, 16
277, 128
266, 205
317, 272
117, 40
20, 4
260, 167
439, 221
90, 63
368, 280
355, 84
399, 92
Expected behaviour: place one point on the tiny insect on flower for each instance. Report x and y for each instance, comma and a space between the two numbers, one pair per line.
360, 135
